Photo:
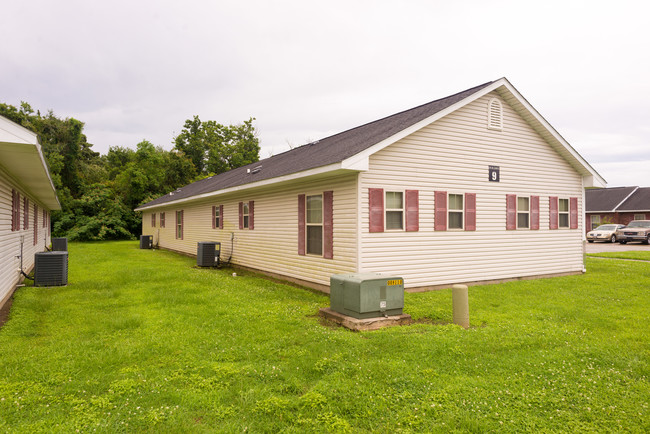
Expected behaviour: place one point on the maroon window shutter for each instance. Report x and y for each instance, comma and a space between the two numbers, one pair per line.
35, 224
440, 211
534, 212
376, 204
412, 211
470, 211
552, 206
176, 224
251, 215
241, 215
13, 209
214, 215
328, 224
26, 213
573, 212
511, 212
220, 216
301, 224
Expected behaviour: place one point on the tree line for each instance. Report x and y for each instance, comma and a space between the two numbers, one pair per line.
98, 193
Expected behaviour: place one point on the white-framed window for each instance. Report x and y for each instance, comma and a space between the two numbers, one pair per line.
595, 221
394, 210
563, 213
162, 219
245, 215
314, 224
455, 209
639, 216
523, 212
179, 225
217, 216
153, 220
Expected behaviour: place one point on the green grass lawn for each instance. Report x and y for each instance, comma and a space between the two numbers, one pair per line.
140, 340
632, 254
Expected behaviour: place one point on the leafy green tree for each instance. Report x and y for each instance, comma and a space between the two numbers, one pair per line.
214, 148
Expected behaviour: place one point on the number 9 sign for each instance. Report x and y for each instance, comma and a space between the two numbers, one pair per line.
493, 173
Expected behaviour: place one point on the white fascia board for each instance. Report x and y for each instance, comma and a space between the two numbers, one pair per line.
634, 210
596, 180
263, 183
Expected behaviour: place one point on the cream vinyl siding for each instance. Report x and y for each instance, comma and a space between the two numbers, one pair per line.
272, 245
10, 241
453, 155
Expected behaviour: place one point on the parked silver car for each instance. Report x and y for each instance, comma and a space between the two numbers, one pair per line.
636, 230
605, 233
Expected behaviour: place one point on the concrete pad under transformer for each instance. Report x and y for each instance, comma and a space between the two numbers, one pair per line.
364, 324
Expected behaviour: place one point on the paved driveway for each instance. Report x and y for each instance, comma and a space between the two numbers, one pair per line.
616, 247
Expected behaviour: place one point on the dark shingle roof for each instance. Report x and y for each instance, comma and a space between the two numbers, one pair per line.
330, 150
639, 201
606, 199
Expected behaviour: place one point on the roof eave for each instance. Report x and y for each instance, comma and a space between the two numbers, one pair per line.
318, 171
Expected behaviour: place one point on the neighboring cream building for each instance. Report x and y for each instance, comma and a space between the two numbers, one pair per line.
27, 196
474, 187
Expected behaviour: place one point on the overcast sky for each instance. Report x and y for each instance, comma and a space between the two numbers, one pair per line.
134, 70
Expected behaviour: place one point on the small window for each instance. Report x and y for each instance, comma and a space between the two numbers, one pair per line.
25, 213
495, 115
179, 225
523, 213
44, 218
153, 220
245, 214
563, 213
217, 217
314, 225
595, 221
639, 216
455, 220
162, 219
394, 210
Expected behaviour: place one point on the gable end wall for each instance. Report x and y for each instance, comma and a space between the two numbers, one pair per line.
453, 155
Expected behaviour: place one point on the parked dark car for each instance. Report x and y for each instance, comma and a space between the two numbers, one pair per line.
636, 230
605, 233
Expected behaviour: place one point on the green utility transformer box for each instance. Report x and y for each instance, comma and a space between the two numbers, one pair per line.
366, 295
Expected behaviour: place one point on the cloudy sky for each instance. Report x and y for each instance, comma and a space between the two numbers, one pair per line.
134, 70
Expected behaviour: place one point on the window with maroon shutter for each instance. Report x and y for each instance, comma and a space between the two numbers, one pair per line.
376, 205
328, 224
301, 224
511, 212
162, 219
44, 218
553, 212
470, 211
412, 211
534, 212
440, 211
153, 219
220, 216
214, 217
15, 210
455, 211
573, 210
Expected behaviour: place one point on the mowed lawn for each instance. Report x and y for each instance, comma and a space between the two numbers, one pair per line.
143, 341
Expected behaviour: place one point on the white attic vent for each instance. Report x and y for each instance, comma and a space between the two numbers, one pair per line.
495, 115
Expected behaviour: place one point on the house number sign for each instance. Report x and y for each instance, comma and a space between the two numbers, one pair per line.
493, 173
